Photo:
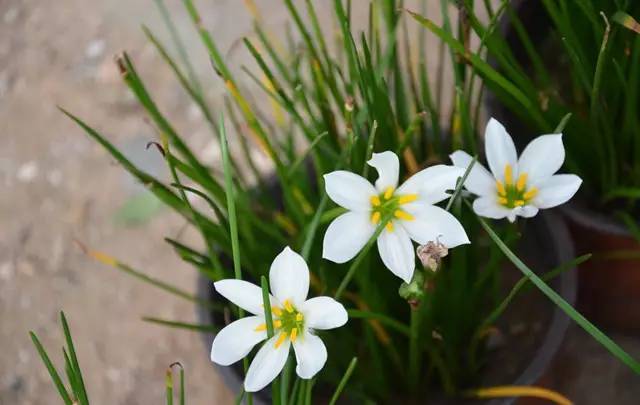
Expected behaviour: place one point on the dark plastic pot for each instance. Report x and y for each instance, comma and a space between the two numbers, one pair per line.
609, 292
546, 244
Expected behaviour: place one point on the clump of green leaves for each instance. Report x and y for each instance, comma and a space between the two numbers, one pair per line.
570, 56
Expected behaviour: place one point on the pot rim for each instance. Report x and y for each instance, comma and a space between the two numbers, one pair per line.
541, 358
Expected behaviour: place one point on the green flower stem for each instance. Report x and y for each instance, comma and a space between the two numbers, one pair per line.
344, 380
414, 348
603, 339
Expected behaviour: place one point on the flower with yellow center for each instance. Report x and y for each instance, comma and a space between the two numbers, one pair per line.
517, 187
409, 210
295, 318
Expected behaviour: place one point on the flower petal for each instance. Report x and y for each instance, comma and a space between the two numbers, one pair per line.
556, 190
267, 364
396, 252
431, 183
242, 293
432, 223
388, 167
236, 340
349, 190
528, 211
289, 277
346, 236
499, 149
311, 354
323, 313
488, 207
542, 158
479, 181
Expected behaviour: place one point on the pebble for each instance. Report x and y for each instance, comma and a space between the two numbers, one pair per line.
95, 49
27, 172
6, 271
10, 15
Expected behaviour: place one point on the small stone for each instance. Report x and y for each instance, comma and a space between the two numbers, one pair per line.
11, 15
6, 271
95, 49
27, 172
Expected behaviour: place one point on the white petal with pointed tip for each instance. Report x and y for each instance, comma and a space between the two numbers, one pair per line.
542, 158
349, 190
479, 181
346, 236
311, 355
289, 277
323, 313
432, 183
488, 207
236, 340
396, 252
432, 223
267, 364
242, 293
556, 190
499, 149
388, 167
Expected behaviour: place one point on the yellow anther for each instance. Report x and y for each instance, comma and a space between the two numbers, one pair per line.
287, 305
375, 200
299, 317
522, 182
281, 339
500, 187
503, 200
508, 175
530, 194
277, 323
389, 226
407, 198
375, 217
261, 327
388, 193
519, 203
403, 215
294, 334
276, 311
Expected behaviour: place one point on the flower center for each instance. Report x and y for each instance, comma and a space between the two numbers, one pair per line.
514, 194
287, 321
387, 205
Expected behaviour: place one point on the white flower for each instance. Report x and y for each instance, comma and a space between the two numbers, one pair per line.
294, 320
517, 187
411, 207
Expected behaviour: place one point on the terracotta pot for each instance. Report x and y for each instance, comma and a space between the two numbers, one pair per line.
609, 292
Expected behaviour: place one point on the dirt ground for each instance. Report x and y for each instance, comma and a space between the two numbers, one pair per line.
59, 186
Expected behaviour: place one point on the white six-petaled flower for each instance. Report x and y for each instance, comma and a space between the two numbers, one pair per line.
294, 320
410, 207
517, 187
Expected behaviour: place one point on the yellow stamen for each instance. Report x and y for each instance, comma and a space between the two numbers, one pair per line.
294, 334
508, 174
277, 323
407, 198
502, 200
375, 200
388, 193
287, 305
276, 311
501, 190
519, 203
389, 226
530, 194
299, 317
281, 339
403, 215
261, 327
375, 217
522, 182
